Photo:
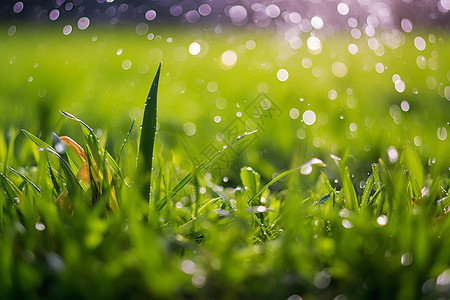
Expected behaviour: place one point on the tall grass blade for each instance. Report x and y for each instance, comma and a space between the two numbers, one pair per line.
147, 140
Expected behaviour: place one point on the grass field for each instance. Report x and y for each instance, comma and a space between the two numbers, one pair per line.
369, 222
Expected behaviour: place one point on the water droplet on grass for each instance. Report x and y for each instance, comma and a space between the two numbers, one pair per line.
392, 154
309, 117
194, 48
406, 259
83, 23
67, 29
382, 220
282, 75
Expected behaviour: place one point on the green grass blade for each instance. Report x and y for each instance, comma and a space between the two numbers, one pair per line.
73, 187
348, 190
125, 141
12, 192
24, 178
40, 143
161, 203
314, 161
147, 140
367, 189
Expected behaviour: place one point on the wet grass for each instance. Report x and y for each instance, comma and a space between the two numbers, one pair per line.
352, 206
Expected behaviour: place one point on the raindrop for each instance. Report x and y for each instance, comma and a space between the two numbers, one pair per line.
54, 14
447, 93
18, 7
382, 220
317, 22
306, 170
392, 154
194, 48
273, 10
309, 117
141, 28
352, 22
406, 259
294, 113
406, 25
150, 15
322, 280
404, 105
212, 86
306, 62
221, 103
40, 226
266, 104
442, 133
83, 23
421, 62
314, 44
369, 30
126, 64
443, 280
176, 10
420, 43
69, 6
188, 266
343, 9
189, 128
332, 95
192, 16
301, 133
356, 33
198, 280
347, 224
119, 51
353, 49
12, 30
353, 127
379, 67
417, 141
238, 15
250, 44
339, 69
295, 17
217, 119
204, 10
67, 29
282, 75
228, 59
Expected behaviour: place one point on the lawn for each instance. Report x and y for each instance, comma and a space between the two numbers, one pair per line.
333, 183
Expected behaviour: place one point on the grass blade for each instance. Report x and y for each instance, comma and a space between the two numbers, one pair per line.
161, 203
125, 141
348, 190
24, 178
148, 132
314, 161
73, 187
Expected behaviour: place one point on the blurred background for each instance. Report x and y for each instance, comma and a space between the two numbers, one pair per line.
315, 78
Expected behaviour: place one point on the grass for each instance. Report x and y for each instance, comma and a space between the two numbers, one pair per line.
248, 220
